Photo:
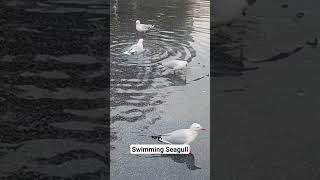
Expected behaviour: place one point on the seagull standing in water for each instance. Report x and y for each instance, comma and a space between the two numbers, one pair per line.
227, 11
135, 49
180, 136
143, 27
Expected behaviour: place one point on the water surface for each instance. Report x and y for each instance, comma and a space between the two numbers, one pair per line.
146, 98
266, 95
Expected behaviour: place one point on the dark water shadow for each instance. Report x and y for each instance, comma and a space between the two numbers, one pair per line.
227, 53
230, 39
53, 61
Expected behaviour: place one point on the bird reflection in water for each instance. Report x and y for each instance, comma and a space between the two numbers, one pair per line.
177, 79
187, 159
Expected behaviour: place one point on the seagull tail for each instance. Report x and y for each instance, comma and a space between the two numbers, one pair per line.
150, 27
160, 139
161, 64
130, 52
156, 137
126, 52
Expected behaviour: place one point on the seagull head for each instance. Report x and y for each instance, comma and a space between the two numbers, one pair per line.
137, 21
196, 126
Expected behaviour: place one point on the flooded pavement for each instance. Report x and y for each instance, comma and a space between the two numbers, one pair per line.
53, 86
265, 95
147, 98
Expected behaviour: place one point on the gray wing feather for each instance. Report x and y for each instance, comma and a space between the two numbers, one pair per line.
176, 137
147, 26
169, 64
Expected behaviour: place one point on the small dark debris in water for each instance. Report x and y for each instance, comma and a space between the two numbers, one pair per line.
251, 2
158, 102
2, 99
313, 44
14, 147
197, 79
234, 90
231, 71
284, 6
300, 93
242, 58
203, 66
198, 63
300, 15
281, 55
244, 12
247, 69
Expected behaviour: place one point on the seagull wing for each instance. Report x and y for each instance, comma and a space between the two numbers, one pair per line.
180, 136
130, 51
134, 49
170, 64
147, 26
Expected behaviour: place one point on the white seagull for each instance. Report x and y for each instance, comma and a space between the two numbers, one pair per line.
143, 27
175, 64
227, 11
180, 136
135, 49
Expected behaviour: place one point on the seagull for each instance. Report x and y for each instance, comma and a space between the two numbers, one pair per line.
143, 27
227, 11
175, 64
180, 136
136, 48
